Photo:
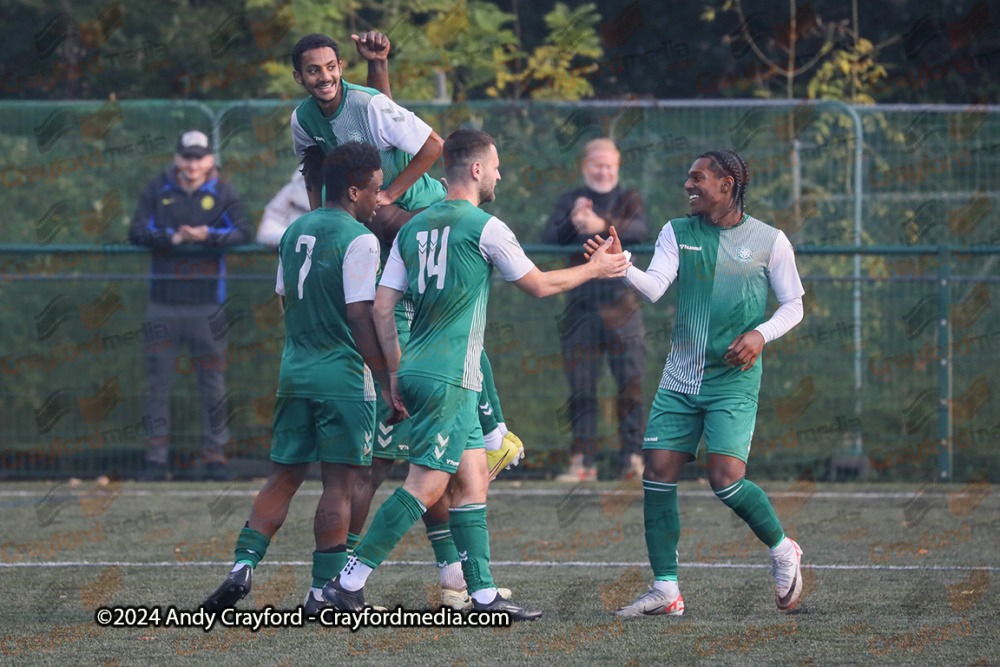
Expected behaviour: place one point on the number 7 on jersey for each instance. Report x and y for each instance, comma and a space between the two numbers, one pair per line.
307, 241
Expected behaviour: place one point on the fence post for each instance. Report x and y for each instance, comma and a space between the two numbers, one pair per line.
944, 370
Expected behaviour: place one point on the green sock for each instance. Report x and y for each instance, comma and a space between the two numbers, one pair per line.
663, 527
352, 541
327, 565
751, 504
396, 516
468, 526
443, 544
251, 546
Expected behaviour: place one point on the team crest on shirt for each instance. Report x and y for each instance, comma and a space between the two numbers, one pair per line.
355, 136
207, 202
744, 253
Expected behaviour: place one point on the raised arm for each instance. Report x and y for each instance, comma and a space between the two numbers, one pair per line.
373, 46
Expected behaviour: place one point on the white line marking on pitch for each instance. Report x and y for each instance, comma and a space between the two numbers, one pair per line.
177, 493
517, 563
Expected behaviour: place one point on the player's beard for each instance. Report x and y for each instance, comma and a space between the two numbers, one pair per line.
487, 194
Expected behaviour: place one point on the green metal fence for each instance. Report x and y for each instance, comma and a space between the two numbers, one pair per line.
888, 376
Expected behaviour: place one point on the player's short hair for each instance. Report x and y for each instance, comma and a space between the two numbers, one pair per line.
350, 164
465, 146
602, 144
310, 42
729, 163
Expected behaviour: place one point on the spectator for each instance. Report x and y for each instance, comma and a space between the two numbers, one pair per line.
602, 317
188, 205
290, 202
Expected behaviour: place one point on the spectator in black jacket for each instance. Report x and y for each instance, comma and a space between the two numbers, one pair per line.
602, 318
188, 206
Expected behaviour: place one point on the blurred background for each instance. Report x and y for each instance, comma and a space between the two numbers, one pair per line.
869, 131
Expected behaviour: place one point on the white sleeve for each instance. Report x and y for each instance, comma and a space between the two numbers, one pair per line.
499, 246
394, 273
392, 125
300, 138
279, 284
785, 317
662, 271
787, 286
781, 271
360, 267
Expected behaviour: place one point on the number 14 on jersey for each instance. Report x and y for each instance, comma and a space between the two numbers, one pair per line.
433, 260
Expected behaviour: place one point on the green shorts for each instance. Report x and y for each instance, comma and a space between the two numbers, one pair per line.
391, 442
423, 193
332, 431
444, 421
677, 421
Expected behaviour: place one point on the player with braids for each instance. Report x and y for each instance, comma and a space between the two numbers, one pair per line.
723, 261
729, 163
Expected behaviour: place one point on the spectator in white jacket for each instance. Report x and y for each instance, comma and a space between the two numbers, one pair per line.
290, 202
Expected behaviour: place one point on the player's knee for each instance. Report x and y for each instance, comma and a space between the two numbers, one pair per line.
719, 478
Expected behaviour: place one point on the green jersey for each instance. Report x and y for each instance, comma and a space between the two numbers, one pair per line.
443, 258
723, 276
326, 260
368, 116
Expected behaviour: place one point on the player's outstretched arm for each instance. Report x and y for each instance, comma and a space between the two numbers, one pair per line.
654, 281
602, 264
384, 315
418, 166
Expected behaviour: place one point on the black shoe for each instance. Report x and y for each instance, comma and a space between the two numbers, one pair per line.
217, 472
233, 589
312, 607
153, 472
517, 612
343, 599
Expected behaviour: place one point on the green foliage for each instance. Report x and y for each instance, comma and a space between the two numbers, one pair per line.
548, 73
847, 74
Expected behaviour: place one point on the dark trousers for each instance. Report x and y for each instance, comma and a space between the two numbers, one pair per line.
186, 326
592, 333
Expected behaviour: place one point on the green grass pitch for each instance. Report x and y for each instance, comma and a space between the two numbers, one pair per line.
892, 577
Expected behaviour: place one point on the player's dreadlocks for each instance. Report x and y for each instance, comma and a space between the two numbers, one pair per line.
732, 165
312, 168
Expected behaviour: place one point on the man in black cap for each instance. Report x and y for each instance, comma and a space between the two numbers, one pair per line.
188, 205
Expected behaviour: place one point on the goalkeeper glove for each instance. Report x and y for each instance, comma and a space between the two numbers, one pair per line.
509, 454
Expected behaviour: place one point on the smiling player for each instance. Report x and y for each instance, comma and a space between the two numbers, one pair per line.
724, 261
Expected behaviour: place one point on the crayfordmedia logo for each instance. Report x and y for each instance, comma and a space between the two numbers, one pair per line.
92, 222
90, 33
618, 31
93, 315
237, 28
789, 408
91, 127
